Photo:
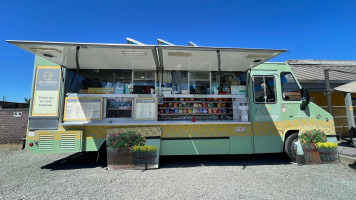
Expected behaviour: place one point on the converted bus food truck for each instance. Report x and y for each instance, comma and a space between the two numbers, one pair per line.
186, 100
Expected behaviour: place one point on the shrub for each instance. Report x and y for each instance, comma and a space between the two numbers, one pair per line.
124, 141
144, 149
312, 137
326, 145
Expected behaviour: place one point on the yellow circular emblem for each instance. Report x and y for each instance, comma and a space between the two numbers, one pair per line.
48, 76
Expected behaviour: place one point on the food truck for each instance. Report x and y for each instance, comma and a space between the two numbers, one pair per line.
186, 100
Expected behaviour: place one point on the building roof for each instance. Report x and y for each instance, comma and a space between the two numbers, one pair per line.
313, 70
9, 105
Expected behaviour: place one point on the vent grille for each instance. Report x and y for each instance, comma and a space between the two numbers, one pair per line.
68, 141
46, 143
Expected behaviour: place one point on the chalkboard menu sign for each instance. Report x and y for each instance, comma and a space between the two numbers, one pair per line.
145, 108
83, 108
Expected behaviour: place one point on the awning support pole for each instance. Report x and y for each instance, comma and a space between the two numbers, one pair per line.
219, 68
77, 58
350, 115
159, 74
328, 91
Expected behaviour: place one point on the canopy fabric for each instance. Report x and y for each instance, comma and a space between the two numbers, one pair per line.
148, 57
348, 88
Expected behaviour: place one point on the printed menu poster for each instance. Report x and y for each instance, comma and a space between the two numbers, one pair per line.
83, 108
145, 109
46, 93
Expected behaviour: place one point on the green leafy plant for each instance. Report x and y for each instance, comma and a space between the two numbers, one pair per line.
326, 145
123, 142
312, 137
144, 149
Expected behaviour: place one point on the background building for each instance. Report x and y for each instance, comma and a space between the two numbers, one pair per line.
310, 73
13, 121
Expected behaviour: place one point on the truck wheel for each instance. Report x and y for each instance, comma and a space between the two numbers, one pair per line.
290, 147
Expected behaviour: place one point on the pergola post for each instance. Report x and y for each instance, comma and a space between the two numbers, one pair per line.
350, 115
328, 91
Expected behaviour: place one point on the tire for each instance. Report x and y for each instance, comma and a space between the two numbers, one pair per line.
289, 148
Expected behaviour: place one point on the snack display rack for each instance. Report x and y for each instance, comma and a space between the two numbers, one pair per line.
179, 108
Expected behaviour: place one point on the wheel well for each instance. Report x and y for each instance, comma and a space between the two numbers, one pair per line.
102, 147
289, 133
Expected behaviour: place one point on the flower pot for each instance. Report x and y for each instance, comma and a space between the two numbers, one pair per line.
329, 155
311, 154
144, 160
119, 160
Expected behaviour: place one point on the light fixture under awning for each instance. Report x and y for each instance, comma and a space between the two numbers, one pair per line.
94, 56
192, 58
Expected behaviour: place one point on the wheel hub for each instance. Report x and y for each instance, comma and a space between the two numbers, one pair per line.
295, 146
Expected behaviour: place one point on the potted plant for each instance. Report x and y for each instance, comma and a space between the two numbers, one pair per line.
144, 155
119, 149
308, 140
328, 152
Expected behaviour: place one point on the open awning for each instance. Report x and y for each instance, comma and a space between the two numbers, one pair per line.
145, 57
94, 56
193, 58
348, 88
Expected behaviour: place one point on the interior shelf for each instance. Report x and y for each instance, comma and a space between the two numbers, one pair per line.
225, 110
194, 107
197, 101
177, 114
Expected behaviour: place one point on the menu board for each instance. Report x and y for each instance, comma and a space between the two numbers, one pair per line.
145, 108
46, 92
83, 108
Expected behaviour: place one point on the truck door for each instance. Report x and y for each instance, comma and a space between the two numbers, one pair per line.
265, 112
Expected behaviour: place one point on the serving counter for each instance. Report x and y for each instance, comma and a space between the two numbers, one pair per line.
134, 109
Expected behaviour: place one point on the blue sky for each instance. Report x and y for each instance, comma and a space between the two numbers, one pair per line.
309, 29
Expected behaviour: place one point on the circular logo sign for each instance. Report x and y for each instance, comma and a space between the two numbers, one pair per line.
48, 76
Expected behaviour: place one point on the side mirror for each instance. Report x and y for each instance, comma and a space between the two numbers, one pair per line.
305, 98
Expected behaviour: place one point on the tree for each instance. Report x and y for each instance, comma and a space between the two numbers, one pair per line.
27, 100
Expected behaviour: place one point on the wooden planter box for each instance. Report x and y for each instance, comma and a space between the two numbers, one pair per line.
329, 155
144, 160
311, 154
119, 160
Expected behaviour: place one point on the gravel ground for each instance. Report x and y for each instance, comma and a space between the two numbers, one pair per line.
24, 175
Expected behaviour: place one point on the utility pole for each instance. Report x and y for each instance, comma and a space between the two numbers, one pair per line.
328, 91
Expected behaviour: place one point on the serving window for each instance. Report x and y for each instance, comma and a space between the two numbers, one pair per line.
199, 82
120, 107
228, 82
175, 82
89, 81
144, 82
217, 83
107, 81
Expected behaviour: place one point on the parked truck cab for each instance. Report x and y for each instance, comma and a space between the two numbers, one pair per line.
184, 100
281, 109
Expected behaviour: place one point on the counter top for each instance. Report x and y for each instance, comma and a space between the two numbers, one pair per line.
132, 122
